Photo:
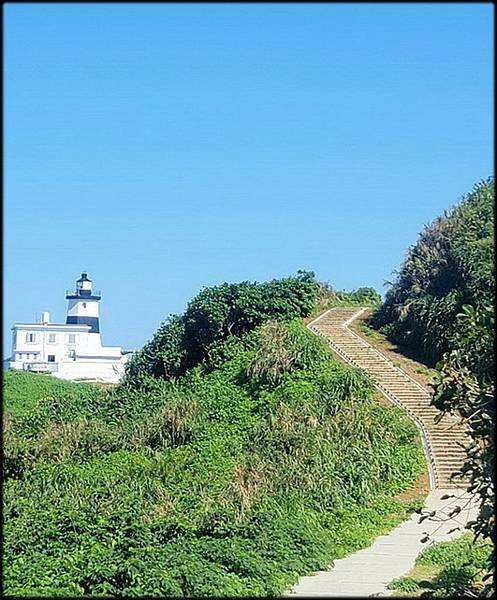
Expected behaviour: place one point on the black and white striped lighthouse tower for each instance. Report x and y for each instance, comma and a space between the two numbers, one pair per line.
82, 308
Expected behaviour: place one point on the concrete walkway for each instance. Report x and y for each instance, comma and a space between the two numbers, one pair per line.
369, 571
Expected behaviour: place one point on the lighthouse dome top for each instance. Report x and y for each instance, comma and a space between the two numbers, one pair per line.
83, 289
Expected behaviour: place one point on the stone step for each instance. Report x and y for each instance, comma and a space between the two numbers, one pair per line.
439, 453
365, 355
441, 435
420, 407
445, 466
394, 381
402, 391
389, 374
408, 394
451, 475
436, 442
403, 388
416, 402
449, 466
413, 402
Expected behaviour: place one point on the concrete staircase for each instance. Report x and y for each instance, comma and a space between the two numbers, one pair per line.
367, 572
441, 439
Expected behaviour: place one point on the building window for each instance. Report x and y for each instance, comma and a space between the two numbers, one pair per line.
19, 356
51, 358
84, 304
52, 338
71, 338
30, 337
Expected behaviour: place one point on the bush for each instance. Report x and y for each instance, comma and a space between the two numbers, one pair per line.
448, 569
329, 297
215, 315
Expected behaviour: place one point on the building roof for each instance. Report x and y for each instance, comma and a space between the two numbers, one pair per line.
51, 326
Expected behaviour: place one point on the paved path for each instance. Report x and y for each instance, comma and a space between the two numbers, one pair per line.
368, 571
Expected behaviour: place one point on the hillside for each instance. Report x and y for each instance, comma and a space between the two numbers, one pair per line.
262, 459
451, 265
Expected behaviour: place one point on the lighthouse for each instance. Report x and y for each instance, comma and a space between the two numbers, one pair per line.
83, 308
70, 350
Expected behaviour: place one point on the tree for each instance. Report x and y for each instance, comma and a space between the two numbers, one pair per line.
452, 264
465, 386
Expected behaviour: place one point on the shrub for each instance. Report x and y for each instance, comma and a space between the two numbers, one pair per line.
215, 315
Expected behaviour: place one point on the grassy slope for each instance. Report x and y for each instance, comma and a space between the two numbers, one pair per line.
227, 483
26, 389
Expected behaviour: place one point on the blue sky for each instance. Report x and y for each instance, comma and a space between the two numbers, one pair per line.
164, 147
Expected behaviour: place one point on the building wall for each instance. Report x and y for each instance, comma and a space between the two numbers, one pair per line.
106, 371
99, 370
79, 307
42, 347
81, 357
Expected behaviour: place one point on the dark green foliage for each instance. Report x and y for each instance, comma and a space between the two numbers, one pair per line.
233, 480
217, 314
365, 296
466, 386
451, 265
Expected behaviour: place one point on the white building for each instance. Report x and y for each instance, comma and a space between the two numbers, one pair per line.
70, 350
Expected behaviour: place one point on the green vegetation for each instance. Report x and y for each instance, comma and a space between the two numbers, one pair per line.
442, 307
25, 390
220, 314
447, 569
466, 387
329, 297
451, 265
260, 460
